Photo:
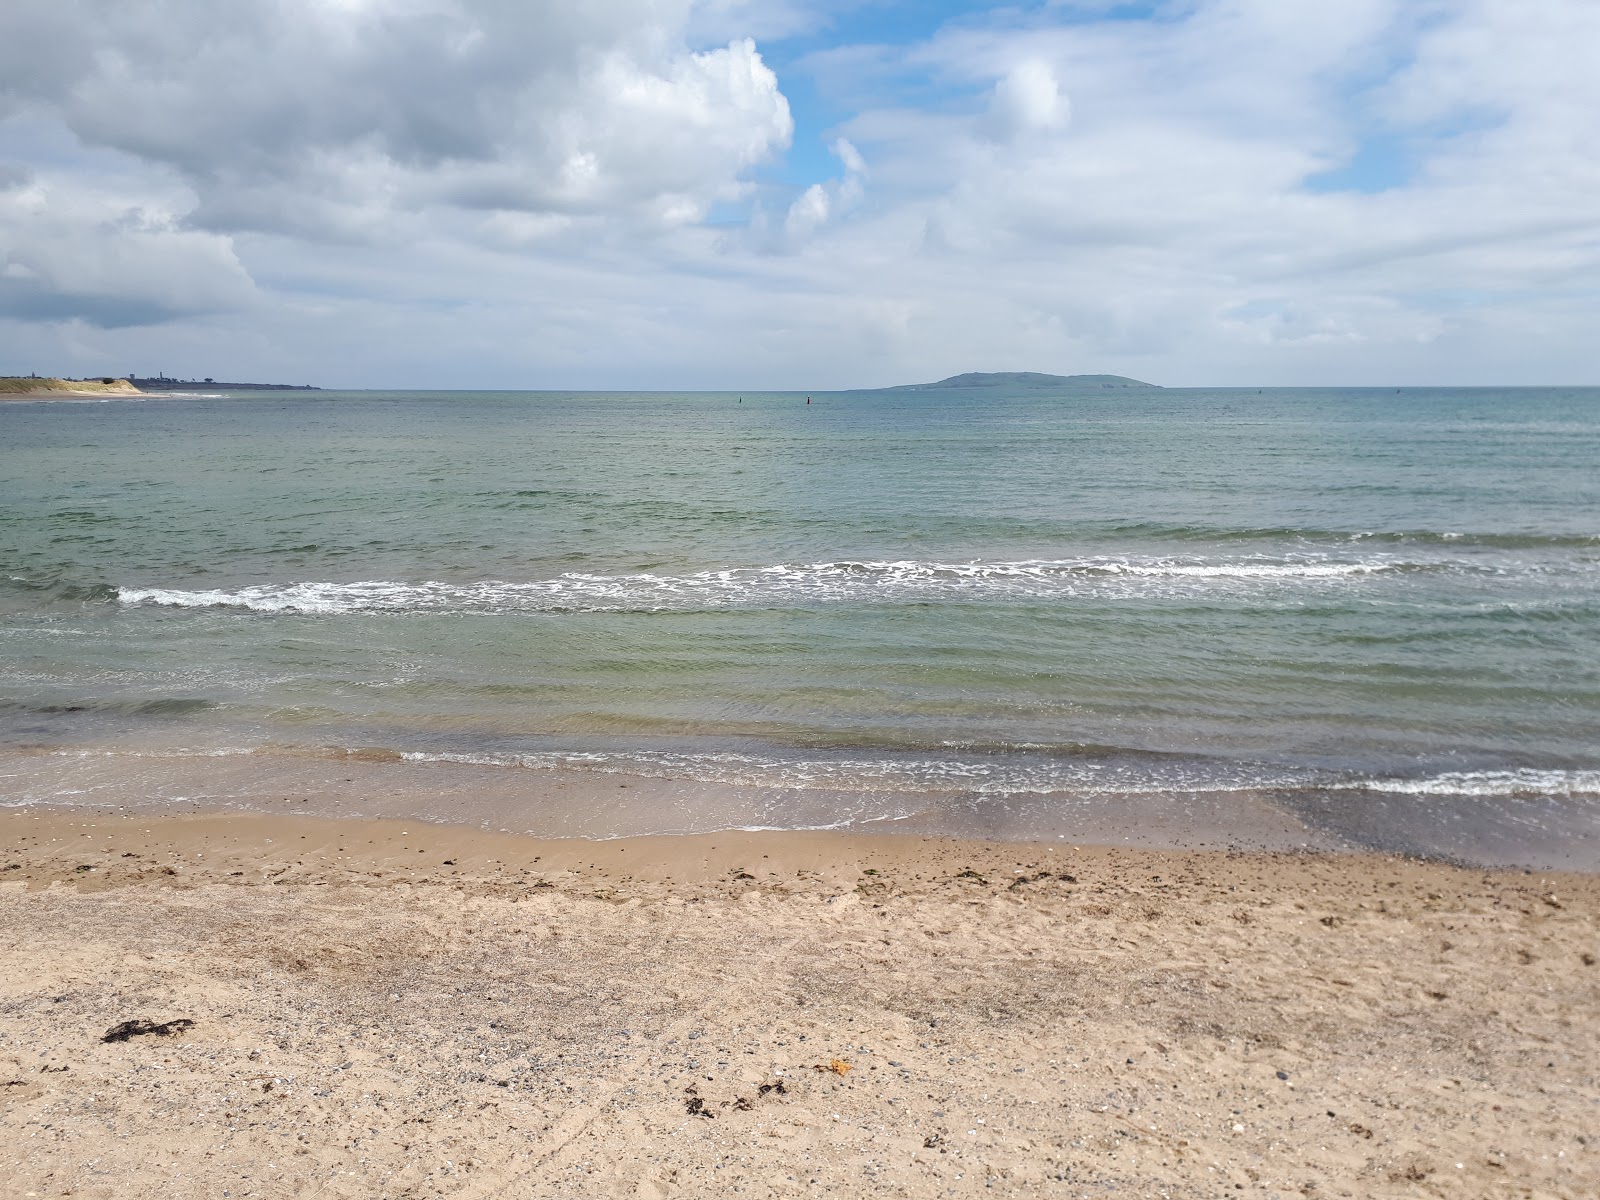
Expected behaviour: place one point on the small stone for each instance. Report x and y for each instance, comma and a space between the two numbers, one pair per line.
1283, 1074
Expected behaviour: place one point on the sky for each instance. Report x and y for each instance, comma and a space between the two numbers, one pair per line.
808, 194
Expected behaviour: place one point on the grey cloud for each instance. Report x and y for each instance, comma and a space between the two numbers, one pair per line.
28, 300
70, 252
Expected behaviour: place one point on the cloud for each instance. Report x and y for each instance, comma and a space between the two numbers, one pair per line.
808, 212
1027, 99
814, 206
72, 253
341, 119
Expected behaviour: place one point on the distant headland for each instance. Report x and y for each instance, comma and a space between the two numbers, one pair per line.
1024, 379
160, 383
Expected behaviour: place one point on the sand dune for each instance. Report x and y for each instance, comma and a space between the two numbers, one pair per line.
63, 389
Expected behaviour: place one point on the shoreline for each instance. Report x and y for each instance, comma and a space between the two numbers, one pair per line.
394, 1008
626, 798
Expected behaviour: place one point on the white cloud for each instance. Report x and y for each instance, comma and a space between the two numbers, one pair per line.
1027, 99
854, 164
340, 119
822, 201
808, 212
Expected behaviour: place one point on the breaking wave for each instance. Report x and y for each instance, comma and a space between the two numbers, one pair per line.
783, 585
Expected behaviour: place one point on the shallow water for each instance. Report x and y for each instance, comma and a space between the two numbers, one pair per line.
1379, 608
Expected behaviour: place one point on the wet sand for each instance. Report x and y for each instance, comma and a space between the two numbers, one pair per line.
1548, 833
392, 1008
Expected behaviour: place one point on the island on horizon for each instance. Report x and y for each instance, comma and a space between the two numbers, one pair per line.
1022, 379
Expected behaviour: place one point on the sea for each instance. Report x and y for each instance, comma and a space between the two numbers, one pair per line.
1298, 619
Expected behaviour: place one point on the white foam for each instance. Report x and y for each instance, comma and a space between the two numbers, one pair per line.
784, 584
993, 776
1523, 783
1017, 776
1000, 775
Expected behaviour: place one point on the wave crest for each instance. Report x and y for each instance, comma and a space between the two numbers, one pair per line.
781, 585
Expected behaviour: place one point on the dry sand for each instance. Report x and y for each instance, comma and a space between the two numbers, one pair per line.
392, 1009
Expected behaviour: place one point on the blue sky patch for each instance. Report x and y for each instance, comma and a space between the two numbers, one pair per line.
1379, 164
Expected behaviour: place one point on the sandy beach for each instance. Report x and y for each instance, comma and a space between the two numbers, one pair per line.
399, 1009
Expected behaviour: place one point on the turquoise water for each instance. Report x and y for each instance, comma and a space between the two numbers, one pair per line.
1359, 601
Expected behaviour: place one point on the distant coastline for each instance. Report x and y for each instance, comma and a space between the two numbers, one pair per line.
160, 383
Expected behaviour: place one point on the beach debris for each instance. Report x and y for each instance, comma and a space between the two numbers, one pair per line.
695, 1105
1414, 1173
838, 1066
1022, 879
138, 1028
969, 873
